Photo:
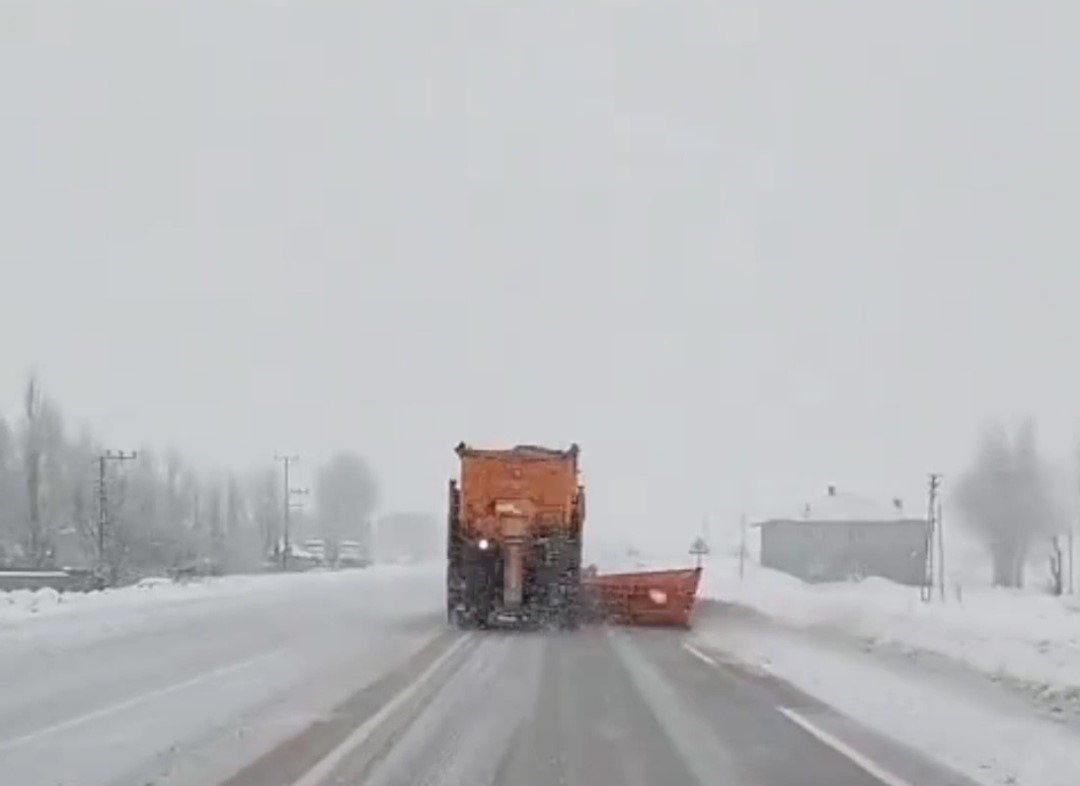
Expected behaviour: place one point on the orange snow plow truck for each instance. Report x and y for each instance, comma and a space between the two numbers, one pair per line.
514, 540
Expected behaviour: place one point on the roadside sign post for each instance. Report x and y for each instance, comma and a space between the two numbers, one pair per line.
699, 548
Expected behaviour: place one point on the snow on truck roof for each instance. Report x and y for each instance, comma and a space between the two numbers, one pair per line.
523, 451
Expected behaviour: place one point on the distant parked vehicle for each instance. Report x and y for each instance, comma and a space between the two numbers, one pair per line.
352, 554
316, 547
300, 558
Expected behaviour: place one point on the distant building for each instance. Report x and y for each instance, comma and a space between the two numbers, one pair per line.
844, 536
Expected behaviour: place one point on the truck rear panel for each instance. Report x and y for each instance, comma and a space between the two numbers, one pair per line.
526, 486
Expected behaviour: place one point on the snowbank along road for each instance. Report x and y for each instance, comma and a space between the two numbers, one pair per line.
594, 707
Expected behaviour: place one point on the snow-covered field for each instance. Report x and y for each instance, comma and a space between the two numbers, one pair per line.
1022, 636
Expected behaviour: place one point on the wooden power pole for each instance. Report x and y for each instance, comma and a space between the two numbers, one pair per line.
286, 507
932, 540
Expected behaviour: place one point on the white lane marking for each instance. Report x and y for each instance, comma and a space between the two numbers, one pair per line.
864, 762
698, 653
322, 770
112, 709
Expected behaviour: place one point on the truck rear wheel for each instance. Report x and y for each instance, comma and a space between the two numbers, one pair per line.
461, 619
570, 619
453, 601
567, 595
454, 577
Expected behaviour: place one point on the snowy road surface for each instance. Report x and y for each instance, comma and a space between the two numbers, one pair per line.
992, 730
595, 707
187, 692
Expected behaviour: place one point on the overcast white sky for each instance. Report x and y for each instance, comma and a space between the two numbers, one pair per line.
736, 250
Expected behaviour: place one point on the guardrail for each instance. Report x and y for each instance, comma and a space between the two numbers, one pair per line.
60, 580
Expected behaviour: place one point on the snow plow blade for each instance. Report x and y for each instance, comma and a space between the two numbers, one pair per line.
658, 597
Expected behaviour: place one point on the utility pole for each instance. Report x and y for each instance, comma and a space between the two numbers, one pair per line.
940, 526
1071, 546
926, 591
742, 546
103, 502
1070, 541
699, 548
286, 460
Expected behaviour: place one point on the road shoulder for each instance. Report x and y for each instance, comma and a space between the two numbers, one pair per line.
962, 723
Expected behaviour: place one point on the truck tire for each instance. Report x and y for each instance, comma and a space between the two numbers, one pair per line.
461, 619
569, 584
452, 595
453, 556
571, 618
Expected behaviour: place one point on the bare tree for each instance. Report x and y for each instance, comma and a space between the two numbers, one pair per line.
1057, 574
266, 507
163, 514
81, 477
407, 534
153, 535
347, 494
32, 466
1006, 498
214, 513
243, 549
11, 497
42, 440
